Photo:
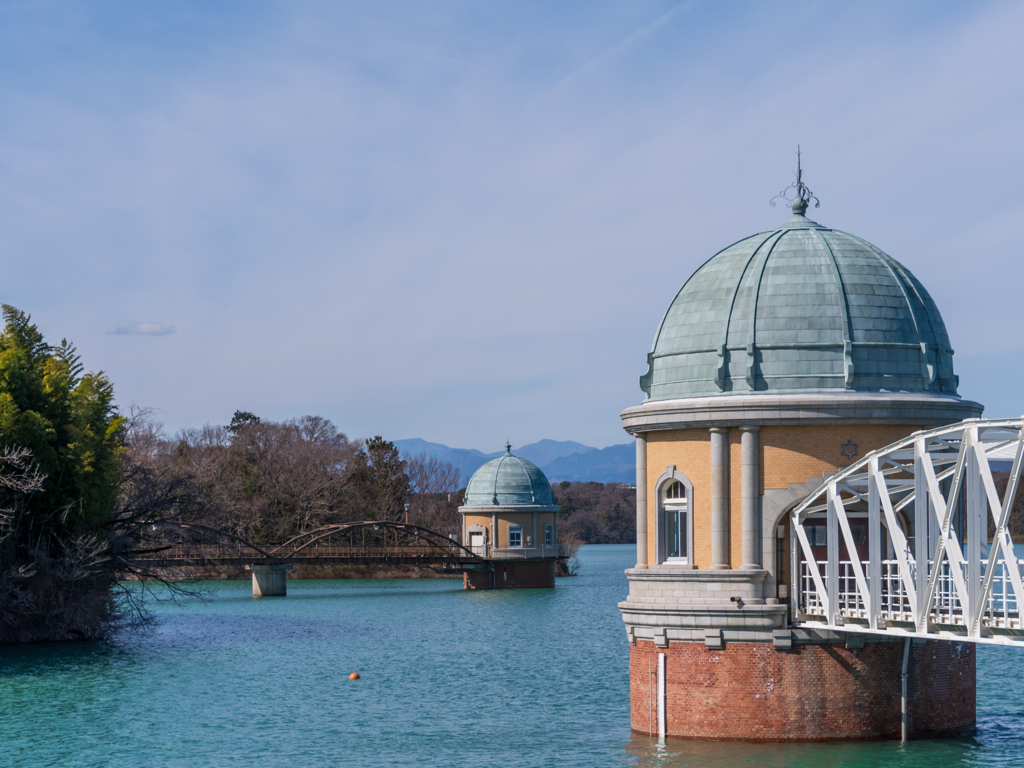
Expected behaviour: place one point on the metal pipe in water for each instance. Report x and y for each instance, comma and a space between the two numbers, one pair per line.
661, 696
903, 691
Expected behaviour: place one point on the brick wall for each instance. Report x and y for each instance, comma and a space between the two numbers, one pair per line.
751, 691
513, 574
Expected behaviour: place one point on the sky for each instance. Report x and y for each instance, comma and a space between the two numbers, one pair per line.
463, 221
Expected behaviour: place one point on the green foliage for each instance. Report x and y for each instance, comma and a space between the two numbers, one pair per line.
241, 420
384, 479
66, 418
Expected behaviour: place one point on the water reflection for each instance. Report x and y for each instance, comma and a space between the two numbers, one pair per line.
644, 752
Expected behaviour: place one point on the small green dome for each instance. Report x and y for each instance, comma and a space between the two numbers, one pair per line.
800, 308
510, 481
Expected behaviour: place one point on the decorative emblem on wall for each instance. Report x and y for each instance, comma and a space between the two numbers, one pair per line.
850, 449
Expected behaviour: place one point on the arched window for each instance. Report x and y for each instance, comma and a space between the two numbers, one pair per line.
675, 490
675, 534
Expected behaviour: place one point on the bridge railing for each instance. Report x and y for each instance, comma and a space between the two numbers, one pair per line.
207, 552
932, 520
184, 544
946, 609
524, 553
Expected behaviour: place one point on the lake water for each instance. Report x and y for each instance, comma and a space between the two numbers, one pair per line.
504, 679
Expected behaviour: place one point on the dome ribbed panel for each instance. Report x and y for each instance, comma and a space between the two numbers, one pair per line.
798, 305
802, 308
692, 330
698, 321
509, 481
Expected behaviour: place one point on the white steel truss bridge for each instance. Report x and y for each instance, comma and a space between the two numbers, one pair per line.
898, 543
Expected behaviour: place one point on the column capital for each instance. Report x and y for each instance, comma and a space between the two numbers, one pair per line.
719, 430
750, 428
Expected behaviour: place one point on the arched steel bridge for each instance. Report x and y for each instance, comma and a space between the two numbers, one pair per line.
898, 543
368, 541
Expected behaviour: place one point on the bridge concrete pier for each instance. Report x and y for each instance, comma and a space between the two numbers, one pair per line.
269, 580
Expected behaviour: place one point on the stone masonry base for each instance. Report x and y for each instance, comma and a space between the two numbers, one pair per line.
814, 692
512, 574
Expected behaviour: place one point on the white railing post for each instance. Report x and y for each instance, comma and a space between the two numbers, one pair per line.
874, 546
921, 533
832, 564
975, 521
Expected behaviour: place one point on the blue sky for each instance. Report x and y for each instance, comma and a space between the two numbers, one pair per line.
463, 221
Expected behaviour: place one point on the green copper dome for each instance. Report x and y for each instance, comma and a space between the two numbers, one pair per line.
800, 308
508, 480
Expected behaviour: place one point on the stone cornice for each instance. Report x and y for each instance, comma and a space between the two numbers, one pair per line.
500, 509
798, 409
667, 573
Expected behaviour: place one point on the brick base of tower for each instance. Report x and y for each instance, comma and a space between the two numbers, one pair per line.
512, 574
814, 692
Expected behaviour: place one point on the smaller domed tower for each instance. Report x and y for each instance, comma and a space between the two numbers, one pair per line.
509, 517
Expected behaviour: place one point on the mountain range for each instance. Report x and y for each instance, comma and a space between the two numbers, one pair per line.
558, 459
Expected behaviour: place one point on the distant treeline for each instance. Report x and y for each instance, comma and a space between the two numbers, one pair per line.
269, 481
596, 513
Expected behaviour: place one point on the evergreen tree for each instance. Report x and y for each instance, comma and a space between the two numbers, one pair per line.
64, 426
385, 481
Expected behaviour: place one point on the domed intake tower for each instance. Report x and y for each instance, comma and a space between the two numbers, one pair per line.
801, 308
509, 517
782, 358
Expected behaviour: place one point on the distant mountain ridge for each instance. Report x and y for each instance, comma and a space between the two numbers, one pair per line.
559, 459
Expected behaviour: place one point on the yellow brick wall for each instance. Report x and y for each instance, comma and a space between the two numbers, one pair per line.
789, 454
505, 519
690, 451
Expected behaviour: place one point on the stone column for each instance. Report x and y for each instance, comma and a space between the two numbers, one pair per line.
751, 482
719, 498
534, 543
641, 500
494, 531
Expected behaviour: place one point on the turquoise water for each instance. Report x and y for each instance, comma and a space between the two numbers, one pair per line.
527, 678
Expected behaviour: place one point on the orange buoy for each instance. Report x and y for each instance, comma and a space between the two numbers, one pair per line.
354, 676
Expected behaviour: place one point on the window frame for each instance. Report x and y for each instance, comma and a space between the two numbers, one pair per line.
516, 530
670, 475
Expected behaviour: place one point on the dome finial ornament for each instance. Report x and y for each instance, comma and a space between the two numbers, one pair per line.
803, 195
508, 447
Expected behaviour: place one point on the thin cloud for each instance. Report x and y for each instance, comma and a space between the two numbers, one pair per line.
618, 48
143, 329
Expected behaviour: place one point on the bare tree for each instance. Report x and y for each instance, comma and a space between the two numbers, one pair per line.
434, 494
268, 481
